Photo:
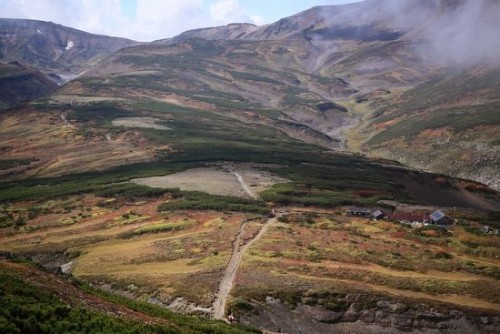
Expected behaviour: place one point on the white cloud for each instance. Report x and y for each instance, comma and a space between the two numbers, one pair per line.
231, 11
164, 18
89, 15
258, 20
154, 19
227, 11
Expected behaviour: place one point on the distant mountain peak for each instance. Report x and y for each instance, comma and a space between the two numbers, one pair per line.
51, 47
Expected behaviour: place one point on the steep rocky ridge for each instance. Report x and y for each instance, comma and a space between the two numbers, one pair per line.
382, 316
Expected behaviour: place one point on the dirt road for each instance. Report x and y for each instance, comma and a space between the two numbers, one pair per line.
226, 283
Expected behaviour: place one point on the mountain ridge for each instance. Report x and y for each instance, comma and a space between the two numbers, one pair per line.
53, 48
49, 54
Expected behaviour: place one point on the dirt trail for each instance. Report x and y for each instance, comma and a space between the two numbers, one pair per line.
62, 116
244, 185
226, 283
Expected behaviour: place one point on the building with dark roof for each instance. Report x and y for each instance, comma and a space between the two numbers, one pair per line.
438, 217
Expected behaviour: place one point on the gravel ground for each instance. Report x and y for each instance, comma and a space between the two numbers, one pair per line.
217, 180
139, 122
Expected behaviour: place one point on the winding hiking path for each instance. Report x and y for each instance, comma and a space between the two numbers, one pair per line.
226, 283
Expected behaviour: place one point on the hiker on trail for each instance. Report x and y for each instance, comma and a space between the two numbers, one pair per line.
231, 318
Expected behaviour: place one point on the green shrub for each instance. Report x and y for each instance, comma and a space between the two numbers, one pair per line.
164, 227
202, 201
25, 308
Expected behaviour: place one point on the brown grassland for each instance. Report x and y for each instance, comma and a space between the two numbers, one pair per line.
137, 251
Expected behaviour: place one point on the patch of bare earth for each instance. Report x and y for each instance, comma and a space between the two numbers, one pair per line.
242, 180
139, 122
79, 99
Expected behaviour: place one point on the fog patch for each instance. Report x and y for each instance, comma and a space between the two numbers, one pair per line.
69, 45
444, 32
451, 32
469, 35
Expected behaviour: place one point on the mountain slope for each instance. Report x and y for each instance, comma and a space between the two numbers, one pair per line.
19, 83
52, 48
450, 124
64, 305
389, 55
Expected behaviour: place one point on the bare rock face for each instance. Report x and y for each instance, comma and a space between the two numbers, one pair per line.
321, 314
385, 317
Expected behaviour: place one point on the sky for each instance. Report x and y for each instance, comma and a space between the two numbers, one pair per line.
148, 20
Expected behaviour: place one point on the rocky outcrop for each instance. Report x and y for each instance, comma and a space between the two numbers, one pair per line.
367, 316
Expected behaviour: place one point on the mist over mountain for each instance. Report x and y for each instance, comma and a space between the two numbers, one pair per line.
445, 32
455, 32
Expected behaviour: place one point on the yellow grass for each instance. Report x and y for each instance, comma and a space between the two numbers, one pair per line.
185, 262
89, 265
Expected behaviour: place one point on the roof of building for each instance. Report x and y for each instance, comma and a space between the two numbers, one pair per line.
437, 215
